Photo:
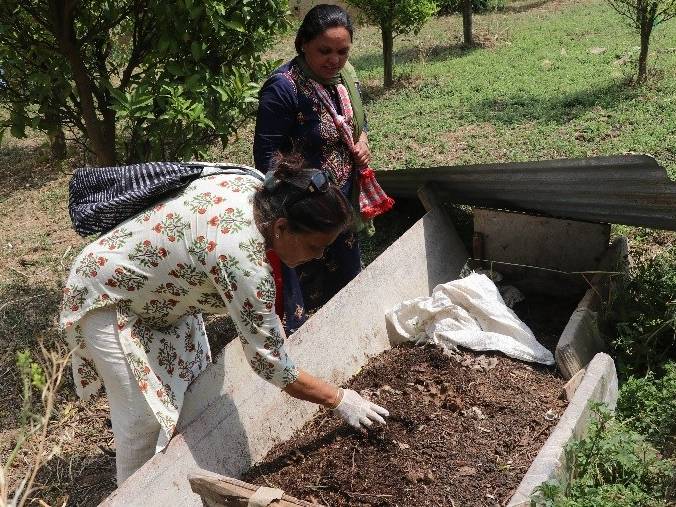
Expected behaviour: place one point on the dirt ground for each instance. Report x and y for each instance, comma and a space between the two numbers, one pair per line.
462, 430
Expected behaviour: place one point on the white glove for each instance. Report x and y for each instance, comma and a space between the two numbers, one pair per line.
359, 412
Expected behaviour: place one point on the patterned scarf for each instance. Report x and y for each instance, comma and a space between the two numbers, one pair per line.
348, 78
372, 199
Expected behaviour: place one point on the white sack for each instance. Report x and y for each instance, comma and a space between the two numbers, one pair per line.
468, 312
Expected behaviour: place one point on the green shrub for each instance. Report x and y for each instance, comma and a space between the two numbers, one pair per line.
395, 17
136, 81
613, 466
648, 405
447, 7
646, 328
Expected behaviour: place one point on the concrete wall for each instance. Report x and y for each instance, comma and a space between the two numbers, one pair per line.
599, 384
231, 418
581, 339
510, 241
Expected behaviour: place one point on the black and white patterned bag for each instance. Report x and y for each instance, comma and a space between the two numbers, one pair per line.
100, 198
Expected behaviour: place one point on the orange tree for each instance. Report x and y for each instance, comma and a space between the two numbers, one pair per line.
644, 16
395, 17
135, 79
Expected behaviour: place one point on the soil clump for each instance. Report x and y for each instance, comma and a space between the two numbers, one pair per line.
462, 430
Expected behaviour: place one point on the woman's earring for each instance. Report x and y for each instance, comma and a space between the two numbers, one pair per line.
277, 236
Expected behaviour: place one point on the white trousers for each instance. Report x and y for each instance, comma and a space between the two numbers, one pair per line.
134, 425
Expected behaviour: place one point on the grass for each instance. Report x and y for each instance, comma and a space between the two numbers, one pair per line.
532, 91
535, 92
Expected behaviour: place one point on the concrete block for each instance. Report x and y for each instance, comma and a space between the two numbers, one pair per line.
580, 341
581, 338
231, 418
509, 242
599, 384
572, 385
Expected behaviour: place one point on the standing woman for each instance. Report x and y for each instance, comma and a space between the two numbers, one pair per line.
133, 300
312, 105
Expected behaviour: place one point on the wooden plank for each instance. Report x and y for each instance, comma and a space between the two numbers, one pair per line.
224, 491
431, 201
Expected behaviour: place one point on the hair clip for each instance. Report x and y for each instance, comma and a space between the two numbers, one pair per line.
270, 183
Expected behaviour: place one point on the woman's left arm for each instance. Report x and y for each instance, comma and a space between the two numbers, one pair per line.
362, 152
274, 121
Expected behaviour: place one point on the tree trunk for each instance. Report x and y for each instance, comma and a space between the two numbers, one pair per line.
109, 127
388, 46
467, 23
646, 30
57, 138
57, 143
104, 148
62, 18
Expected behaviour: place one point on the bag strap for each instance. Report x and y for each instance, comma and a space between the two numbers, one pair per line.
211, 168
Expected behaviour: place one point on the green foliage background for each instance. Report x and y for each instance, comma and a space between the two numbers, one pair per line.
646, 328
402, 16
167, 78
648, 406
478, 6
613, 466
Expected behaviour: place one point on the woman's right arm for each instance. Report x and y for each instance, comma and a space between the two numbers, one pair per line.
249, 295
358, 412
275, 120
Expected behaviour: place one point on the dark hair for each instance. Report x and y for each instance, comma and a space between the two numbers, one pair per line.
319, 19
327, 211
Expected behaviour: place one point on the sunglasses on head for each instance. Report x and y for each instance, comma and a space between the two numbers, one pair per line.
318, 182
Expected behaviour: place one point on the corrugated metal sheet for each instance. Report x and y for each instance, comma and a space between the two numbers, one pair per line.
631, 189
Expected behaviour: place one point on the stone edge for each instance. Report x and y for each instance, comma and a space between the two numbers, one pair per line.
581, 339
599, 384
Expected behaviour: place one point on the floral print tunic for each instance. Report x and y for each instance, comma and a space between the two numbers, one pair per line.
199, 251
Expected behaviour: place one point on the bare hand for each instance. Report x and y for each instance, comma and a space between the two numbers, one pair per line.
362, 153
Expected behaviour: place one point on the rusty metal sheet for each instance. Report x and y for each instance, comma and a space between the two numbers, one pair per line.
630, 189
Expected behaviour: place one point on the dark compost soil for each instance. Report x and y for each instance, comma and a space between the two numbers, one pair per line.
462, 430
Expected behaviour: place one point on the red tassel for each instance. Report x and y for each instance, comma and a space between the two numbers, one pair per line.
373, 201
371, 212
276, 264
